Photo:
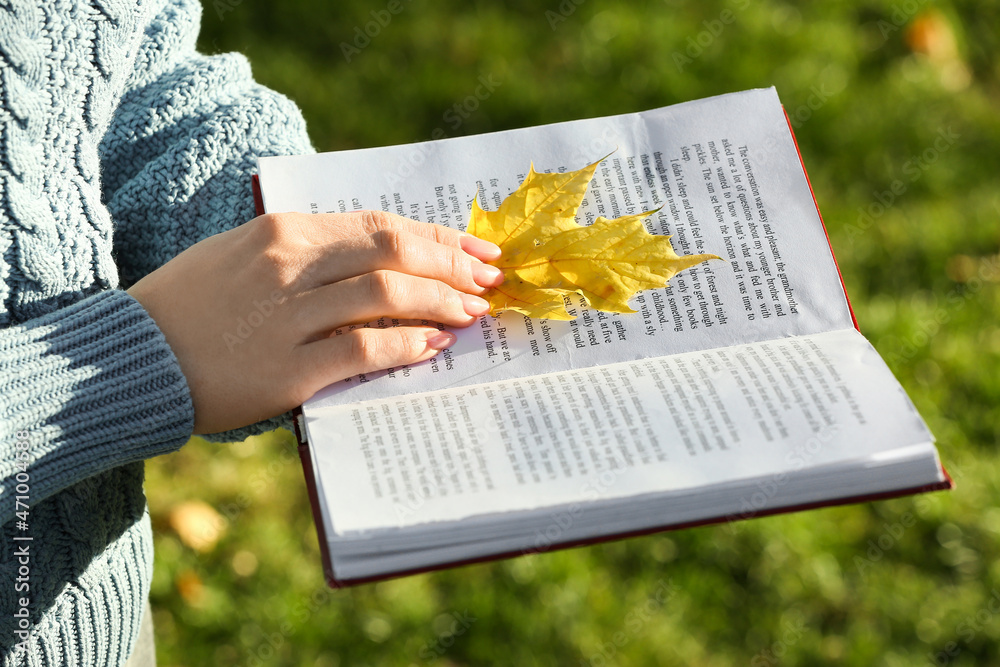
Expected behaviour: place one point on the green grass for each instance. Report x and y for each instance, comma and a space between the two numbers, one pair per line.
887, 583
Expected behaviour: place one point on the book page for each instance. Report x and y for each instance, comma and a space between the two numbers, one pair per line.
724, 175
626, 429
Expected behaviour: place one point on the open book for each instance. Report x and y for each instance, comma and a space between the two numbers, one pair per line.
742, 389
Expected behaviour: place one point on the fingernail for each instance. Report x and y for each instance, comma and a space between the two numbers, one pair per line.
486, 275
440, 340
479, 248
474, 305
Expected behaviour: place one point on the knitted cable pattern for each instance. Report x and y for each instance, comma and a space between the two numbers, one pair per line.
118, 140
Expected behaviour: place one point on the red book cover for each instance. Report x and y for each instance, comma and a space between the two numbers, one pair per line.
334, 582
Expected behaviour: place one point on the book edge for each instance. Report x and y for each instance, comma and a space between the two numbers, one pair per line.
944, 485
847, 297
822, 223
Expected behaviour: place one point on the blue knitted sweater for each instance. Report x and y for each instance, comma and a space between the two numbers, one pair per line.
119, 147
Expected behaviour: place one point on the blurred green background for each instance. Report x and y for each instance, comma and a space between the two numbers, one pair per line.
870, 87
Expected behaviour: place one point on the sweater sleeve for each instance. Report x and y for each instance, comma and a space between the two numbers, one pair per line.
89, 387
178, 158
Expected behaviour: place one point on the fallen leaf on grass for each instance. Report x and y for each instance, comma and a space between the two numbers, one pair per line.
190, 587
197, 524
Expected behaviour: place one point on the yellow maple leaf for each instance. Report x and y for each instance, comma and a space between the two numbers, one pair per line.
547, 198
547, 256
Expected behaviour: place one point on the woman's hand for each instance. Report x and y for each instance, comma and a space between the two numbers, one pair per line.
250, 313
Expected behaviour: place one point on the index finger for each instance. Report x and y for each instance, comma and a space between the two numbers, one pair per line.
345, 225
